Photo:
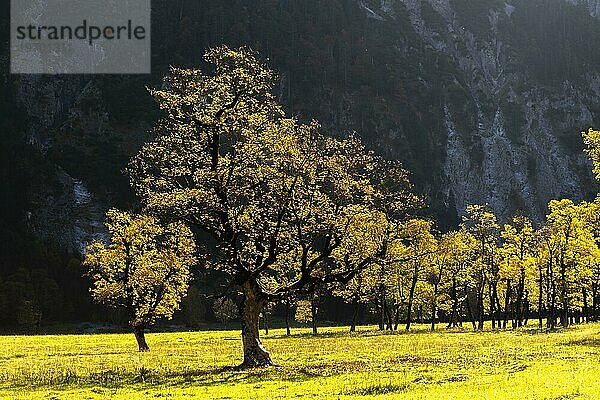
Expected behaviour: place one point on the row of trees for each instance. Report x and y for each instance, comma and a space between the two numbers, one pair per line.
486, 271
483, 271
280, 212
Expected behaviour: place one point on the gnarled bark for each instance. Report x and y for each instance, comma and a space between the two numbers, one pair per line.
255, 355
138, 331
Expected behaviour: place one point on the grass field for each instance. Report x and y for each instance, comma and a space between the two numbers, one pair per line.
419, 365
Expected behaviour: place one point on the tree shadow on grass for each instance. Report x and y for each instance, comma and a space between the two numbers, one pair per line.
589, 342
236, 375
142, 377
233, 375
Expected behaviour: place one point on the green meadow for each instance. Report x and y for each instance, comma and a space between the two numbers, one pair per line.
522, 364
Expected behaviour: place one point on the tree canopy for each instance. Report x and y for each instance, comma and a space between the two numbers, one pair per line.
145, 268
285, 205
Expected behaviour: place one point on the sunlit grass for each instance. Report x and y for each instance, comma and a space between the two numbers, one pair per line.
444, 365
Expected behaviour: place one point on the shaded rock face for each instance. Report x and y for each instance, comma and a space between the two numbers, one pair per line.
593, 6
66, 214
496, 120
503, 134
61, 208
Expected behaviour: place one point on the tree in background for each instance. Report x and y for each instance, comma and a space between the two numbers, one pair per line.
519, 247
27, 298
445, 273
574, 242
287, 303
591, 138
360, 252
144, 269
304, 312
483, 225
308, 309
592, 217
225, 309
547, 256
28, 315
265, 314
434, 275
376, 284
360, 290
414, 253
459, 249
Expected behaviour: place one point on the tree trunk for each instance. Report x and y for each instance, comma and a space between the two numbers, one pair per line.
584, 309
382, 314
506, 304
541, 299
480, 309
138, 331
389, 318
287, 319
266, 321
411, 297
520, 309
255, 355
492, 305
499, 311
553, 307
354, 317
453, 319
550, 294
396, 318
594, 313
313, 308
434, 306
564, 298
469, 309
526, 308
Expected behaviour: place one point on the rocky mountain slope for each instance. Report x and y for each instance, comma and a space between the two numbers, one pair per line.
482, 100
512, 134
